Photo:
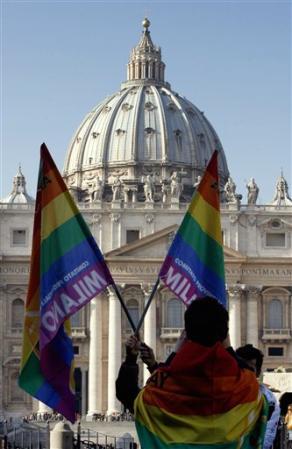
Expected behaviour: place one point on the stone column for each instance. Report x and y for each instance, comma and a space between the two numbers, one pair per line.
252, 329
149, 325
235, 294
95, 358
114, 351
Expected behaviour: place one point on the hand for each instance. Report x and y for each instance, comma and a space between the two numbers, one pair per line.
133, 345
147, 355
180, 341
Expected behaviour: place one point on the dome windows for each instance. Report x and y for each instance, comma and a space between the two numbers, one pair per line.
126, 107
149, 131
149, 106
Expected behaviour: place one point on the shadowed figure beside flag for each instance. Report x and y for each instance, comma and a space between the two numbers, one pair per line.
67, 270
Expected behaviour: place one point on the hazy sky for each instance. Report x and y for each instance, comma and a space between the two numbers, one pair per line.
232, 59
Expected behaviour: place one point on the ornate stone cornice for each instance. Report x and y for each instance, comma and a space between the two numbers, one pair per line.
235, 291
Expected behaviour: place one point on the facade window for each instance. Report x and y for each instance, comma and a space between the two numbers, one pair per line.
275, 239
132, 235
19, 237
133, 308
174, 316
76, 350
275, 314
76, 319
17, 313
276, 351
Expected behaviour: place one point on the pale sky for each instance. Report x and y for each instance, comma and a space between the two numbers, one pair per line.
232, 59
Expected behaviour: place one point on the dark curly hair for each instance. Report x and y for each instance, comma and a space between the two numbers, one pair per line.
249, 352
206, 321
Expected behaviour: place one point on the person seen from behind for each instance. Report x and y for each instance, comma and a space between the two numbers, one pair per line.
254, 358
203, 396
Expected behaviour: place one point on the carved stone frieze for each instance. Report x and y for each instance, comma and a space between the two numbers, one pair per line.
115, 218
149, 218
252, 219
253, 291
235, 291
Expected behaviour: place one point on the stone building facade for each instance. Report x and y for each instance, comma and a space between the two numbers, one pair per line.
132, 167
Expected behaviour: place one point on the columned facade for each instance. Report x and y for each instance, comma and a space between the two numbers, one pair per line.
114, 351
234, 302
95, 359
149, 325
252, 328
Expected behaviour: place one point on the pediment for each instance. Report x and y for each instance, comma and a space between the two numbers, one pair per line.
155, 246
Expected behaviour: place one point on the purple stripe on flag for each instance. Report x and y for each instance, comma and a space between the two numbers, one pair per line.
180, 281
69, 298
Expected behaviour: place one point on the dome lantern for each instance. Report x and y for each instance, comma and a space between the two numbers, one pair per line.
145, 59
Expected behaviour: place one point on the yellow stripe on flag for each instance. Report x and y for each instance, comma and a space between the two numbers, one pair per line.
186, 429
56, 213
207, 217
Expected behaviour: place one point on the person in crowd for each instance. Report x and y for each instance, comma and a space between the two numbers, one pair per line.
203, 394
254, 358
288, 423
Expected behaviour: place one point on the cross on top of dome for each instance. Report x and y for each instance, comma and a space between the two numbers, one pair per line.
145, 59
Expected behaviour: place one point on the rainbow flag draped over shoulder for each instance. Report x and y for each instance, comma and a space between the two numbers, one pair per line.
67, 270
194, 265
202, 400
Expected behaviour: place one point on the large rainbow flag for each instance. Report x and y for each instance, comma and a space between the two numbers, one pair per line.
67, 270
202, 400
194, 265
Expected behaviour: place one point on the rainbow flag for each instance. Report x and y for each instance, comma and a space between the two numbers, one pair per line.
202, 400
194, 265
67, 270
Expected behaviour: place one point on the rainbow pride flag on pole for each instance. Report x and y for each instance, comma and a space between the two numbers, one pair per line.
202, 400
67, 270
194, 265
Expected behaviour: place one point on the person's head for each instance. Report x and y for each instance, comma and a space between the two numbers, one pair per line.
206, 321
290, 408
252, 356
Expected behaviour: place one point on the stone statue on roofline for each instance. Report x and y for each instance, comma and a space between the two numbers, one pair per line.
148, 188
230, 191
95, 189
252, 192
117, 188
176, 186
281, 197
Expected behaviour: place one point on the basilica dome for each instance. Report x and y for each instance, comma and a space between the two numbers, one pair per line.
144, 129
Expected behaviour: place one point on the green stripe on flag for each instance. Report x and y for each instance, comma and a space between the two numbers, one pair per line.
207, 249
62, 240
31, 378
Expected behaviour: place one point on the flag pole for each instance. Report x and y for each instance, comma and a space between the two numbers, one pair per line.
147, 306
124, 307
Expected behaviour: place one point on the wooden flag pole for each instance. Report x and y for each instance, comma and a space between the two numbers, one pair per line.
124, 308
147, 306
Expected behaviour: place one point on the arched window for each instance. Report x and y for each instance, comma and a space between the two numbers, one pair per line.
133, 308
174, 316
275, 318
17, 313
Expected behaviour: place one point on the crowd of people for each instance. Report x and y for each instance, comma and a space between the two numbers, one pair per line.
204, 376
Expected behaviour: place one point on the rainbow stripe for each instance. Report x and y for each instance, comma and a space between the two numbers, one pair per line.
203, 400
67, 270
194, 265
